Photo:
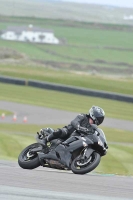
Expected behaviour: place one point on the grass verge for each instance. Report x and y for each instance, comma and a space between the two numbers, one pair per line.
119, 160
112, 135
6, 112
64, 101
112, 84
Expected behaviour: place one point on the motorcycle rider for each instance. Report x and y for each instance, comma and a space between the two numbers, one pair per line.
82, 121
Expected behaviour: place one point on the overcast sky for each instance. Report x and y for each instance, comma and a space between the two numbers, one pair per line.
121, 3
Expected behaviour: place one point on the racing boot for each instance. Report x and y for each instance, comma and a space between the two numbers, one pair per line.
54, 135
44, 141
41, 139
46, 148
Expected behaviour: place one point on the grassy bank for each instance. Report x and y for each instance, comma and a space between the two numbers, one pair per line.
64, 101
119, 160
112, 84
84, 47
112, 135
6, 112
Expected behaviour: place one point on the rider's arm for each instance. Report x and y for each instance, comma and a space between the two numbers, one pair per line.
77, 121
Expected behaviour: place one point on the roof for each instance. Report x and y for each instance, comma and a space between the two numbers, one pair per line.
19, 29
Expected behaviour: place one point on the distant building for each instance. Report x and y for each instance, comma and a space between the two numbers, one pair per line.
130, 17
29, 34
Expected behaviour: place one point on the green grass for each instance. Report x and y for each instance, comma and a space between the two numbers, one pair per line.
118, 135
87, 55
112, 135
121, 85
28, 49
85, 45
6, 112
64, 101
11, 145
84, 55
29, 129
119, 159
83, 36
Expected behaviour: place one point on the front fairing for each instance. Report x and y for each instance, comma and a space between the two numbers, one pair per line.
65, 152
100, 141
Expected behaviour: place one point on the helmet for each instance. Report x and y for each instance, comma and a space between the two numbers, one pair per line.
96, 114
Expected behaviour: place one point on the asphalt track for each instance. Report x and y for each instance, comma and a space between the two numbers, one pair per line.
42, 115
50, 184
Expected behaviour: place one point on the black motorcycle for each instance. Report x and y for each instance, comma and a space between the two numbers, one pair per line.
81, 153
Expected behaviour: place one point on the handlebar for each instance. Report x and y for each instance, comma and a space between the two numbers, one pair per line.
84, 130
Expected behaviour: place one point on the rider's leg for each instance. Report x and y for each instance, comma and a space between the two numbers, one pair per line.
59, 133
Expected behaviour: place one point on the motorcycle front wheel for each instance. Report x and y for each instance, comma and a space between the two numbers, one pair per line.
86, 165
27, 159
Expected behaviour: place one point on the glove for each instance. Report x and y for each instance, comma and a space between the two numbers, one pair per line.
40, 133
78, 127
83, 129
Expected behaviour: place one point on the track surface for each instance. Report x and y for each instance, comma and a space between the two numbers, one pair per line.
41, 115
48, 184
44, 183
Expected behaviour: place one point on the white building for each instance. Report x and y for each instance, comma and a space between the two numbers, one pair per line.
29, 34
130, 17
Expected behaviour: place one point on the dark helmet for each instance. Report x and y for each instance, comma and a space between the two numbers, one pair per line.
96, 114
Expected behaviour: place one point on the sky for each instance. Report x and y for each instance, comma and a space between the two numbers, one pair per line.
120, 3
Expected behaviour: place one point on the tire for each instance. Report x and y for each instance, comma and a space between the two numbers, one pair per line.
91, 165
32, 162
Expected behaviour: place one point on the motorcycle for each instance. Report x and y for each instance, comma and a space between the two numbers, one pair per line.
81, 153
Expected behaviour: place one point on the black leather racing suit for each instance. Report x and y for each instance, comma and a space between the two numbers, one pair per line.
66, 131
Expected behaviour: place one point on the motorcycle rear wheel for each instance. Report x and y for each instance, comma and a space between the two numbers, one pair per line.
27, 160
87, 166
